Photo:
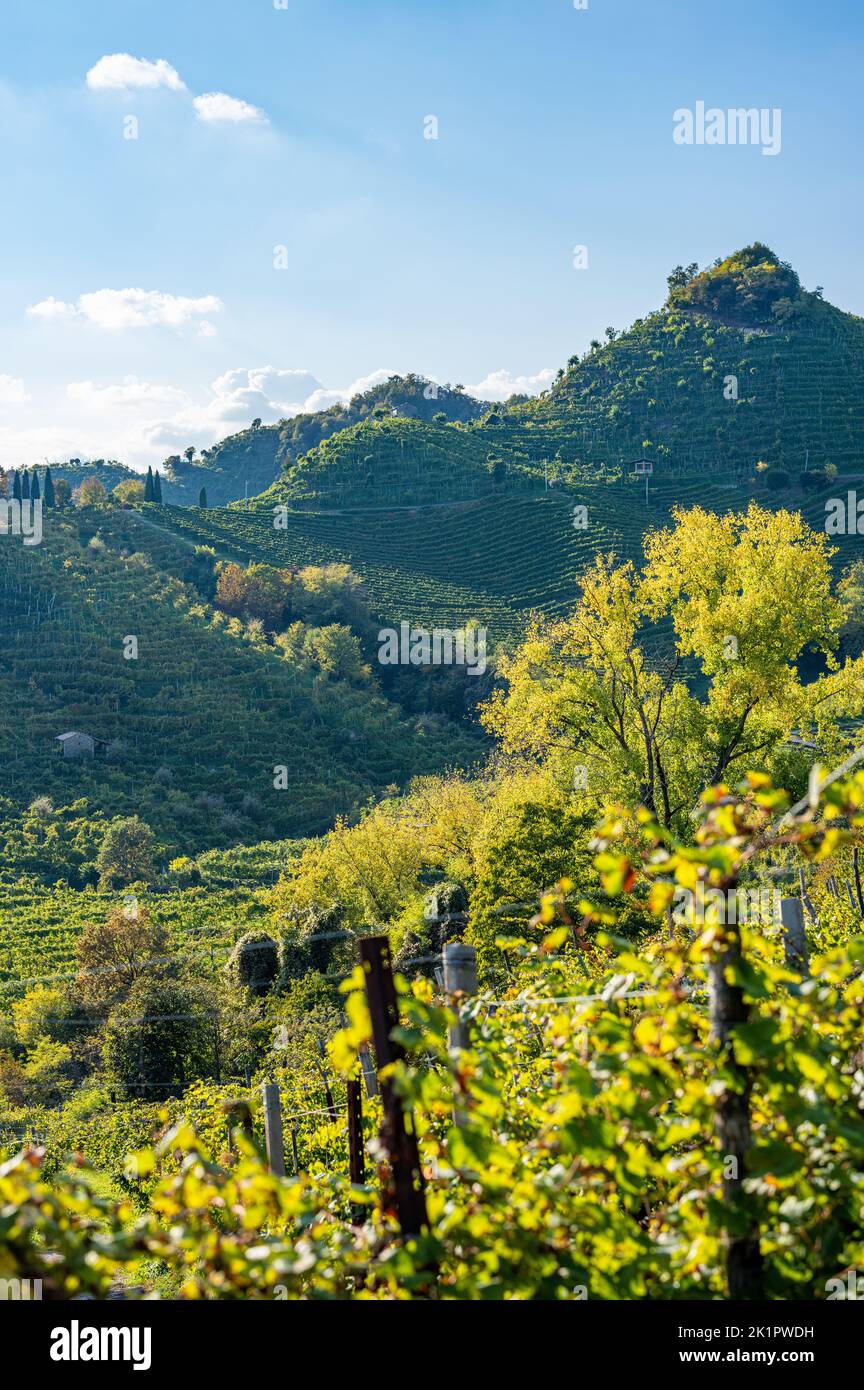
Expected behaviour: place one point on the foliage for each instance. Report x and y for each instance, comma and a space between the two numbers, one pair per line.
745, 286
587, 1164
126, 853
117, 952
745, 597
254, 962
160, 1038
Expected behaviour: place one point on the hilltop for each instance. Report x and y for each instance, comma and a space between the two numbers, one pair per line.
740, 366
249, 461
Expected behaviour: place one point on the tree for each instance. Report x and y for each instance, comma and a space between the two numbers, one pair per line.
157, 488
126, 853
39, 1014
256, 423
16, 486
202, 499
25, 486
148, 486
62, 493
91, 493
114, 954
336, 650
35, 491
13, 1080
130, 491
746, 597
260, 591
48, 490
189, 453
681, 276
332, 593
47, 1070
160, 1038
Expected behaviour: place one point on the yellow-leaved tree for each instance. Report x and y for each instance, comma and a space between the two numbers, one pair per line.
668, 679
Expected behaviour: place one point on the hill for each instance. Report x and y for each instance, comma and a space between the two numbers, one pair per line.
739, 367
249, 461
497, 559
190, 728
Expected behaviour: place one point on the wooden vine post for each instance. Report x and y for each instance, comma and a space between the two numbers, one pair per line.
404, 1184
356, 1152
367, 1066
273, 1128
729, 1009
856, 874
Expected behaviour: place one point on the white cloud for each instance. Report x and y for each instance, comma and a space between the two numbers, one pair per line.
216, 106
122, 71
131, 308
129, 393
323, 399
52, 310
497, 386
12, 390
140, 422
276, 389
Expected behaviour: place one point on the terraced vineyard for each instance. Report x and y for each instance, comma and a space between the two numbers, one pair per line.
190, 729
39, 927
697, 392
497, 559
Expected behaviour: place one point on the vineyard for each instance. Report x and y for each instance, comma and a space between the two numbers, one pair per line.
497, 559
566, 1139
195, 724
322, 980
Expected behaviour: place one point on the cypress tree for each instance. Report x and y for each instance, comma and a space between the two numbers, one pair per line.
48, 489
35, 490
25, 486
157, 487
202, 498
148, 486
16, 486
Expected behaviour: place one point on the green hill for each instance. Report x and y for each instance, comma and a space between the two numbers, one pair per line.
190, 731
497, 559
249, 461
740, 366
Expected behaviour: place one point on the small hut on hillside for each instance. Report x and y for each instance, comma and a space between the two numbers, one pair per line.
77, 745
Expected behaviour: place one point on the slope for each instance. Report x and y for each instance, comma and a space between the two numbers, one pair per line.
191, 729
740, 367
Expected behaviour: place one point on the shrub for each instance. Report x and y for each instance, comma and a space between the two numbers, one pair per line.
254, 963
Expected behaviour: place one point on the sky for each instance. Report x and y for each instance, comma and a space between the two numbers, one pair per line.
214, 210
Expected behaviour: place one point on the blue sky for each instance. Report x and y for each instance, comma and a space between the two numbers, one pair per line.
452, 257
